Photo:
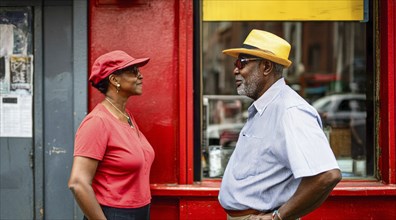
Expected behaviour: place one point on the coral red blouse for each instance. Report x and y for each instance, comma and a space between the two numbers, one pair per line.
125, 158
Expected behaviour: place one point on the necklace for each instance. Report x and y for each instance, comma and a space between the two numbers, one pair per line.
126, 116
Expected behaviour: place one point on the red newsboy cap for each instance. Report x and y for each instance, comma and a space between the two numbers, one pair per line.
112, 61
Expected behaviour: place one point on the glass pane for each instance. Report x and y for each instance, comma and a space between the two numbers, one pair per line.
330, 70
223, 116
16, 71
16, 48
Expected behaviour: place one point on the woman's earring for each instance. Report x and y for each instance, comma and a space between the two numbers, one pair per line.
118, 87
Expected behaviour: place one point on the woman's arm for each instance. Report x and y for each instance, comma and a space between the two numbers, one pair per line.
80, 183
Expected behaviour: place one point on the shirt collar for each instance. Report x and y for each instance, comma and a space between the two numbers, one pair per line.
261, 103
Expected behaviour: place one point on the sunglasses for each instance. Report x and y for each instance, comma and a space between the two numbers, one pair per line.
134, 70
241, 62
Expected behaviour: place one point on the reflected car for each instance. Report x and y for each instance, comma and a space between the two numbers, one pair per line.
337, 110
224, 134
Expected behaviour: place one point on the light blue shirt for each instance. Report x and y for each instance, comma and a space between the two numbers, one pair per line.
281, 142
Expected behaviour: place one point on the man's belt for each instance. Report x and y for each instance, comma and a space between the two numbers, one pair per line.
239, 213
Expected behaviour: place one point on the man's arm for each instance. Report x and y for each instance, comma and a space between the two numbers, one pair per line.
310, 194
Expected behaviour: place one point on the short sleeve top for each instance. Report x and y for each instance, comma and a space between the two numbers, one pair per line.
281, 142
125, 158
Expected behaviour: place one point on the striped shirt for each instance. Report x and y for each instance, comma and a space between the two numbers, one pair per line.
281, 142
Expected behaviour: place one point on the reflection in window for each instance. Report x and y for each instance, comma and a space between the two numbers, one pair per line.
224, 117
329, 70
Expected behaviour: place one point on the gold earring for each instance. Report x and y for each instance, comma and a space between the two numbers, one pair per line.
118, 87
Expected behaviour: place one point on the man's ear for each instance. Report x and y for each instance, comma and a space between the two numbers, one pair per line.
267, 67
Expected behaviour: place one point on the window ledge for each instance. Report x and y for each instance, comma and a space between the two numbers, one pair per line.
204, 188
211, 189
364, 188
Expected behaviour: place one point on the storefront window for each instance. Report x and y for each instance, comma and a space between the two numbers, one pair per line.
332, 69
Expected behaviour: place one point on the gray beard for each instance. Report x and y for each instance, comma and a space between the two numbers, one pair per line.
249, 87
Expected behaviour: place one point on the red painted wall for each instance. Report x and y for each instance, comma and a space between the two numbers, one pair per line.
355, 208
145, 29
387, 135
162, 30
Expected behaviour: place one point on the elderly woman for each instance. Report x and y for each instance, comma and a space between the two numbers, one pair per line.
112, 158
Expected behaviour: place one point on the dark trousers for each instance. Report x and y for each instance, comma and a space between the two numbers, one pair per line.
111, 213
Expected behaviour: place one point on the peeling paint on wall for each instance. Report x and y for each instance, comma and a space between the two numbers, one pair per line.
57, 150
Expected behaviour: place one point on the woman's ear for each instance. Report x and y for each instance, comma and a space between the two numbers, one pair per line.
113, 80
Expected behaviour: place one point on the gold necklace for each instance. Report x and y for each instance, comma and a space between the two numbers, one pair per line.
126, 116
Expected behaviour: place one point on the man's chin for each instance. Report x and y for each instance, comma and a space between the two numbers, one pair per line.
241, 92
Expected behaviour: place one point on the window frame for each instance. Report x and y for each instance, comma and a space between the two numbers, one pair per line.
384, 124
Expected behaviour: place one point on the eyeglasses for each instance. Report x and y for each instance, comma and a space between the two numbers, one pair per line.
134, 70
241, 62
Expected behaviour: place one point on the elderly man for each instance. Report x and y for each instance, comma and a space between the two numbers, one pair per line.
282, 167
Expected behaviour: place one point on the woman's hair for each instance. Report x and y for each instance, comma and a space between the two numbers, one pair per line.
103, 85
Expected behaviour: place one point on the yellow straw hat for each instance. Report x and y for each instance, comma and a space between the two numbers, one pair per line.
265, 45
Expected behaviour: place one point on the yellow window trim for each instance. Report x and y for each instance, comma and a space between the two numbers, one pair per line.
283, 10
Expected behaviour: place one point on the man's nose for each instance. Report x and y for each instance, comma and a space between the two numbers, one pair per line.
235, 71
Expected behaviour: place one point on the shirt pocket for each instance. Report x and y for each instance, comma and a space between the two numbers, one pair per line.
250, 157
